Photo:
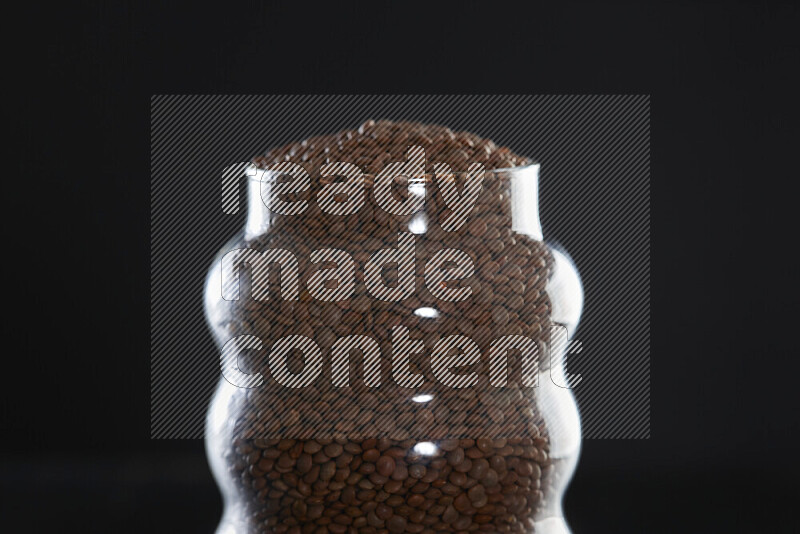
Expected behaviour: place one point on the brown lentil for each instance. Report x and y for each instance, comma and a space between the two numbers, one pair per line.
359, 471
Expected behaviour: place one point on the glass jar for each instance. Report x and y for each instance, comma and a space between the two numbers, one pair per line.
394, 391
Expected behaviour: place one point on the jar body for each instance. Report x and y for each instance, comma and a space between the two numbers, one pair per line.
383, 438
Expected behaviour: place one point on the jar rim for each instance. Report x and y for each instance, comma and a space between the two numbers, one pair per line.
255, 173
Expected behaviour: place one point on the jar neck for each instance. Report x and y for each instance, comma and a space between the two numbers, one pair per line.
521, 192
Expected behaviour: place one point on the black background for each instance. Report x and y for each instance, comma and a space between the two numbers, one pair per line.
76, 453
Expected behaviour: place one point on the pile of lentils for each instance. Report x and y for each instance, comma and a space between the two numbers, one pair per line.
389, 459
